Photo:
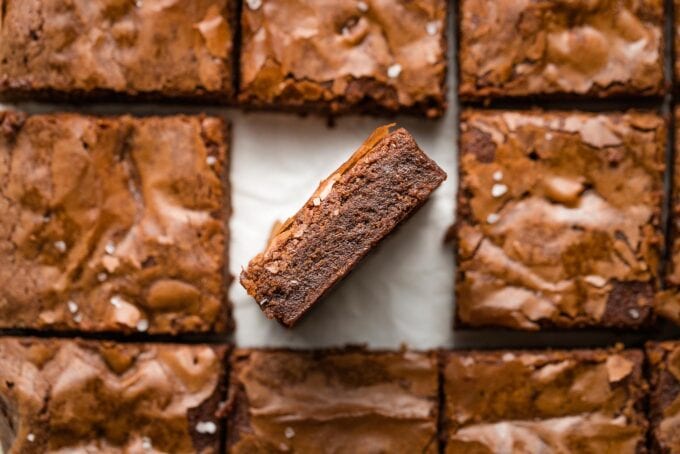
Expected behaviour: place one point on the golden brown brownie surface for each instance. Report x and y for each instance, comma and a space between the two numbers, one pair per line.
527, 402
91, 396
333, 401
511, 48
558, 218
162, 47
344, 55
113, 224
664, 366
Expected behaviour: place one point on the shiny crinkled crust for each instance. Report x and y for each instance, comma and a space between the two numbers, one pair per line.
344, 56
664, 402
529, 401
558, 218
547, 48
340, 401
113, 224
105, 48
668, 304
96, 396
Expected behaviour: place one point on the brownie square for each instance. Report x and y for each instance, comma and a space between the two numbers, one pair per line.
676, 39
106, 48
558, 218
377, 189
333, 401
588, 401
548, 48
113, 224
97, 396
664, 366
344, 56
668, 303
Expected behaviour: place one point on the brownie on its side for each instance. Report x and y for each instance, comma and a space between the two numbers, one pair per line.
105, 48
664, 365
547, 48
588, 401
344, 56
558, 218
380, 186
87, 396
113, 224
333, 401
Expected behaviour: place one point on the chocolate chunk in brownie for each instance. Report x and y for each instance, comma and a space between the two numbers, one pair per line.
95, 396
527, 402
113, 224
664, 411
379, 187
333, 401
344, 56
110, 48
547, 48
558, 218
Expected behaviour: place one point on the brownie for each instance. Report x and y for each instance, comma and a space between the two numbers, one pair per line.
676, 36
668, 304
344, 56
588, 401
664, 366
111, 48
98, 396
558, 219
380, 186
333, 401
113, 224
560, 49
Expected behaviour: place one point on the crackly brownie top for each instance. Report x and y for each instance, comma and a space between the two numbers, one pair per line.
169, 46
112, 223
664, 359
674, 275
528, 402
344, 51
61, 396
558, 218
676, 30
351, 401
594, 47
